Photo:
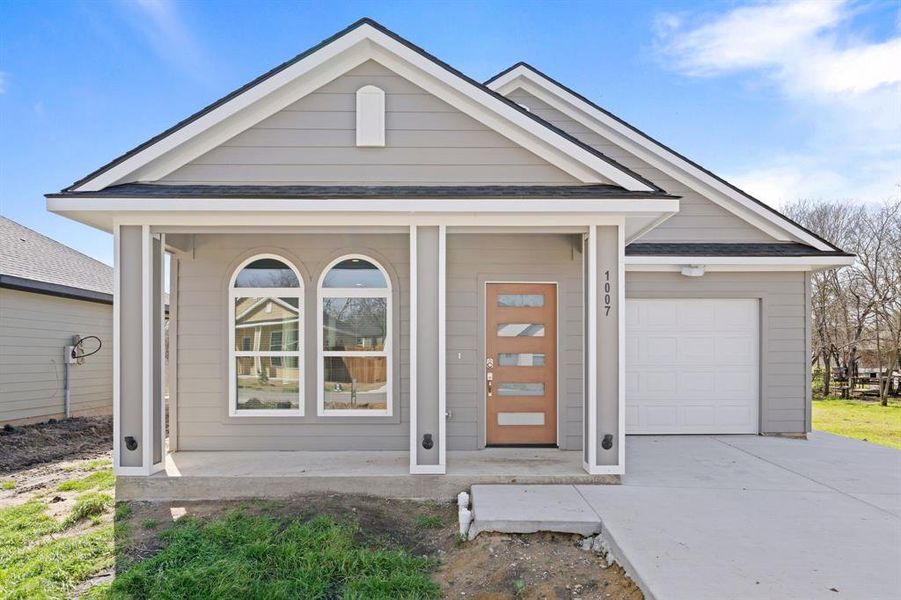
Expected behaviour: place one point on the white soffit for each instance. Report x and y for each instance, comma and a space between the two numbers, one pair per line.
655, 154
344, 52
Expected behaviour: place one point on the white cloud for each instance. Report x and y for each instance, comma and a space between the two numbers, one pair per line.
165, 30
794, 41
4, 78
846, 88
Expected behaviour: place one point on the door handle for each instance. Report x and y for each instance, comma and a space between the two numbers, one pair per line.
489, 378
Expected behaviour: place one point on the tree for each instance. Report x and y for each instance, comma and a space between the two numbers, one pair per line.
858, 308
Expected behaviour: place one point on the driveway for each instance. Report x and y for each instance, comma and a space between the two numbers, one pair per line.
748, 517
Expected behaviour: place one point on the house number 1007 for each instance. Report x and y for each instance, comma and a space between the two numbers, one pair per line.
606, 293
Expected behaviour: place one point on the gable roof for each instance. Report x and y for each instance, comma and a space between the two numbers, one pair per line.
532, 128
34, 262
525, 70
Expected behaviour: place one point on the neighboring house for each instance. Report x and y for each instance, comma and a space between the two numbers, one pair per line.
50, 293
371, 251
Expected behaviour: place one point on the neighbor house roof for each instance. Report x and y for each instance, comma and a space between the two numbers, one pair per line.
150, 190
33, 262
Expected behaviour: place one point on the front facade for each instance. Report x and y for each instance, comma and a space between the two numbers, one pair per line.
371, 252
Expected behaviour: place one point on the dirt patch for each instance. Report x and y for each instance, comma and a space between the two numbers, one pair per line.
491, 567
80, 437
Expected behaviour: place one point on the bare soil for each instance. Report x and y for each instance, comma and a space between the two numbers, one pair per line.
491, 567
22, 446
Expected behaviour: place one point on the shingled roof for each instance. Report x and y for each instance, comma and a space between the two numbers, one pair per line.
34, 262
151, 190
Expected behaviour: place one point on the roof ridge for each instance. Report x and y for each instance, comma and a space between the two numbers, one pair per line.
659, 143
384, 30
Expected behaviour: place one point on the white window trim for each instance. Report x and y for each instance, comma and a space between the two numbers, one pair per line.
321, 354
233, 354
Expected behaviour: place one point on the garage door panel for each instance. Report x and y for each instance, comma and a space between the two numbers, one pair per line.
735, 350
734, 315
692, 366
658, 349
695, 349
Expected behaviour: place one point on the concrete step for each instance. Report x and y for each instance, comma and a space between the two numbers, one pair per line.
530, 509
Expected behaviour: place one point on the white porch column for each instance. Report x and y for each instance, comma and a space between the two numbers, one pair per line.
138, 321
604, 410
427, 349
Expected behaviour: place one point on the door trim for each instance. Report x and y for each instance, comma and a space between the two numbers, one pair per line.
484, 348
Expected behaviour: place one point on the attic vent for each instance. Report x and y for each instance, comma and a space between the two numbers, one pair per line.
370, 116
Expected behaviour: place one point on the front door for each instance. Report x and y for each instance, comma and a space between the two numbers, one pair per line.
521, 363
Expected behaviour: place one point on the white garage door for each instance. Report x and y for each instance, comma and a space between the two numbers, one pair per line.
692, 366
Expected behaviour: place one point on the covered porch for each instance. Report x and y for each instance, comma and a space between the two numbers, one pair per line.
438, 257
192, 475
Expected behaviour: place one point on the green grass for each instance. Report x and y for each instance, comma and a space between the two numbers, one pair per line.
429, 521
92, 504
265, 557
7, 484
100, 480
36, 563
860, 419
149, 523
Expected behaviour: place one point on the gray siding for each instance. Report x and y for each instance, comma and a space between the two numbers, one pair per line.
698, 220
783, 334
202, 351
313, 141
33, 330
473, 260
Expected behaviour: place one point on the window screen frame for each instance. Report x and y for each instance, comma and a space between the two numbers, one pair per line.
386, 352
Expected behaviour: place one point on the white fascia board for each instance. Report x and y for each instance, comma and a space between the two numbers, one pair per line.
738, 263
653, 153
331, 61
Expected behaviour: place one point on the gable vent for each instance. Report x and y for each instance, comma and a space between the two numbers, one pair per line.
370, 116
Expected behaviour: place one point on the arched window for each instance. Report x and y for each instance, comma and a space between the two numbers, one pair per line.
355, 338
265, 308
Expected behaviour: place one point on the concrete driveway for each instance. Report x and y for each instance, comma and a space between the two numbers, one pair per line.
756, 517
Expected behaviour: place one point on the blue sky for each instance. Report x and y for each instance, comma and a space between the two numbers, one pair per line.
788, 99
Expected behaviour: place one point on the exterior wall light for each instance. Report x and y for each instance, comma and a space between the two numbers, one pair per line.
693, 270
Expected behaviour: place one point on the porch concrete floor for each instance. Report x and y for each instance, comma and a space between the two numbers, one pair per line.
710, 517
192, 475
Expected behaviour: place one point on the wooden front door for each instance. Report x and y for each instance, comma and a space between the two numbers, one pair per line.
521, 363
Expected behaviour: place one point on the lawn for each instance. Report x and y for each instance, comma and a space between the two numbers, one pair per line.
860, 419
66, 540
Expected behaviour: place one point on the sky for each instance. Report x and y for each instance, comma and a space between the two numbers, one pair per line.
789, 99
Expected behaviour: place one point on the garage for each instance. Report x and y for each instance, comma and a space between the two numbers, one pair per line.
692, 366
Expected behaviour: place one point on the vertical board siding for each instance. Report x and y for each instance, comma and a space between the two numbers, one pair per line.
202, 351
313, 141
34, 328
784, 351
473, 259
698, 220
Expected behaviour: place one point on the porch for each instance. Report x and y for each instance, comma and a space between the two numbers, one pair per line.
221, 475
398, 386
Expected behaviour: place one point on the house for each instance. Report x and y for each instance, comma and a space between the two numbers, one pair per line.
373, 253
49, 295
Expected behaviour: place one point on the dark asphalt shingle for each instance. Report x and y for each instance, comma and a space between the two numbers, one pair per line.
26, 254
147, 190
